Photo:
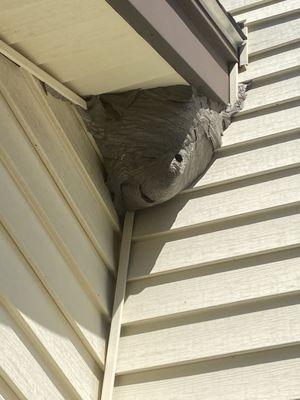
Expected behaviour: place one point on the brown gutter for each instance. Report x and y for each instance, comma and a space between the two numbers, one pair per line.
178, 35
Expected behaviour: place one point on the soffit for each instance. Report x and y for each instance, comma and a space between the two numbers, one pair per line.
84, 44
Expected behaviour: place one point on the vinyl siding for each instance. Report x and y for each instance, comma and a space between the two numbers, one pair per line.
59, 247
212, 303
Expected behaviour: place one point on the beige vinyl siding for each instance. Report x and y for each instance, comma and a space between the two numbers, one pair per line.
195, 338
275, 62
5, 391
212, 302
216, 243
236, 6
59, 246
273, 92
263, 375
274, 34
269, 12
276, 122
234, 165
245, 280
39, 316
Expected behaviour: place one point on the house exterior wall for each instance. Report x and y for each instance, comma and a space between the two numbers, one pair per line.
59, 247
212, 305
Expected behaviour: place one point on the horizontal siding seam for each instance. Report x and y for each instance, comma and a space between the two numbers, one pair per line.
274, 47
267, 76
256, 4
258, 140
200, 310
241, 178
263, 375
260, 143
268, 105
208, 358
262, 20
43, 218
215, 221
277, 74
209, 263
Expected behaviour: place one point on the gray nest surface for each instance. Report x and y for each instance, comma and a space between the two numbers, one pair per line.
156, 142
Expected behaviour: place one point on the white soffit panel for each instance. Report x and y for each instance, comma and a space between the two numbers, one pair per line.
85, 45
